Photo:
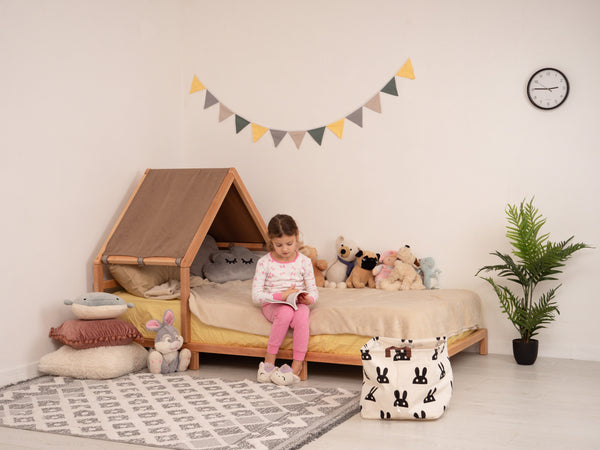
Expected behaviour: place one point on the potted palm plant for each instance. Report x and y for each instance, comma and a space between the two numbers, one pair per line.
534, 259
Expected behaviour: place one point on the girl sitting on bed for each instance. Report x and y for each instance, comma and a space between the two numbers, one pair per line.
280, 274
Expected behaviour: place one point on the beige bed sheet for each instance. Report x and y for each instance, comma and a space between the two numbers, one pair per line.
411, 314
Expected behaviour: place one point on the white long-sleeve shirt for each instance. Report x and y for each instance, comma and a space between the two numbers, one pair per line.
273, 277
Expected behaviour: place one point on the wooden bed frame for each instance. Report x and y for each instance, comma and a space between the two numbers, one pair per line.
230, 207
477, 337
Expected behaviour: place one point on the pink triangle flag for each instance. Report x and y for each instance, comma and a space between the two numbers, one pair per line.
224, 112
297, 137
374, 104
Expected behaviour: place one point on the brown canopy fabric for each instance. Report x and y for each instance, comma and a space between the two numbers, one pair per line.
172, 210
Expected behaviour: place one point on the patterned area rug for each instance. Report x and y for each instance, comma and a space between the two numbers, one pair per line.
177, 410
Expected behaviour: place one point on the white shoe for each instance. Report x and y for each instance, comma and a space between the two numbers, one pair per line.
284, 376
265, 370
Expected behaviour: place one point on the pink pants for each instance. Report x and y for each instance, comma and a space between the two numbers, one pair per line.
283, 317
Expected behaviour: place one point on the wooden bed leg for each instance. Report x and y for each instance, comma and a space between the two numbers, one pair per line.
483, 344
304, 371
195, 361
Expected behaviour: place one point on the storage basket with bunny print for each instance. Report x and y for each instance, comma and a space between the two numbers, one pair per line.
405, 379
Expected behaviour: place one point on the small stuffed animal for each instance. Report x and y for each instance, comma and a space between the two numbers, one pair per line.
405, 255
383, 270
165, 357
339, 270
98, 305
362, 273
428, 271
319, 265
403, 277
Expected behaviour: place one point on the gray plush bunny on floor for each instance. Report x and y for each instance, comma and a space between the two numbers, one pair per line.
165, 357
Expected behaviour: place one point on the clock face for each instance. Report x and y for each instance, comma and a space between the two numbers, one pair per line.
548, 88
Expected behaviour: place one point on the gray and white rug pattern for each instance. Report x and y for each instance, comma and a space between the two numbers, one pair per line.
177, 410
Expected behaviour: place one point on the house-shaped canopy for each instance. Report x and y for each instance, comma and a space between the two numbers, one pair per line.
170, 213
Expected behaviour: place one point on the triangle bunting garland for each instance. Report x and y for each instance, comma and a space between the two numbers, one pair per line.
374, 104
356, 117
210, 100
224, 112
277, 136
297, 137
258, 132
240, 123
407, 71
337, 127
196, 85
317, 134
390, 88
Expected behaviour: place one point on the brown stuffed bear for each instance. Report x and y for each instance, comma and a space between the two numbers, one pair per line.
319, 265
362, 274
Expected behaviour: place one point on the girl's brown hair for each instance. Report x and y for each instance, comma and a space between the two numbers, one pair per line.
280, 225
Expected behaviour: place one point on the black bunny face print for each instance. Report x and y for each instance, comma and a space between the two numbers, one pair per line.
382, 376
400, 402
430, 398
420, 379
401, 355
370, 396
442, 370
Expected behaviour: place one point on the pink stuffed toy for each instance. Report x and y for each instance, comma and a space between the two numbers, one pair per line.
383, 270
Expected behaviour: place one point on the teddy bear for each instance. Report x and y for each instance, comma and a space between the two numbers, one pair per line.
428, 271
402, 278
339, 270
319, 265
405, 255
362, 273
385, 266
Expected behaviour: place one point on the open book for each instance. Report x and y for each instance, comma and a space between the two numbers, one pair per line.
291, 299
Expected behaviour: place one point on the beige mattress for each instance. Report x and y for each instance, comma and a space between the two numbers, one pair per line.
341, 321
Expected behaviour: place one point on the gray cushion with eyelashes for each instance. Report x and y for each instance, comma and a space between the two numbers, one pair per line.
208, 247
237, 263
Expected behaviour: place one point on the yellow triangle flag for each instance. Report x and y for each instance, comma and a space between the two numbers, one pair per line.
196, 85
407, 70
337, 127
258, 132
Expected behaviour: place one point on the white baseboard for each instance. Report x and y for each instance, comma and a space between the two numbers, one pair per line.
18, 374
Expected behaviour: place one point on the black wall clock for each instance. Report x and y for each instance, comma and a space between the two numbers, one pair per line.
548, 88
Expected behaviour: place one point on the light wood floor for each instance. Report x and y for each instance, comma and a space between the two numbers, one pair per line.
497, 404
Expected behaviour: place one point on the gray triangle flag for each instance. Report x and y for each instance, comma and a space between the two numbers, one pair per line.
210, 100
277, 135
356, 117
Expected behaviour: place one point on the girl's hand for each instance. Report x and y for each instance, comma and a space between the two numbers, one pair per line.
304, 299
288, 292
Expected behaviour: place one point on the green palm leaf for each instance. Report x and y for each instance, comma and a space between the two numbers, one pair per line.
534, 259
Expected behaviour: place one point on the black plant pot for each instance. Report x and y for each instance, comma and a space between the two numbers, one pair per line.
525, 353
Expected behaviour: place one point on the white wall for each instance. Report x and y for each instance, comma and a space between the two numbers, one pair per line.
91, 96
437, 167
94, 92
